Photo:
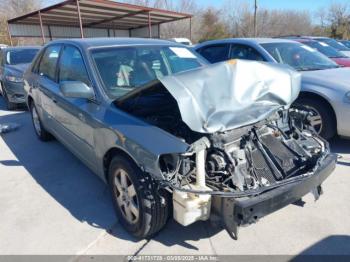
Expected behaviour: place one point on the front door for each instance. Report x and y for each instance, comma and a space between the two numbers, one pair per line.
76, 114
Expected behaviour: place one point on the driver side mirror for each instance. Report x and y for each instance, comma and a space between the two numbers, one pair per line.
76, 89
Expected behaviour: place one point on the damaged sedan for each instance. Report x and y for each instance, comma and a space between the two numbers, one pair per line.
173, 136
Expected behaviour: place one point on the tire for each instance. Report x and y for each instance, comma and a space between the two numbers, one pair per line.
153, 205
1, 89
328, 120
9, 105
39, 129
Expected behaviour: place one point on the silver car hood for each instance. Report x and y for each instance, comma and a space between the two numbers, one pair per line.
347, 53
232, 94
330, 78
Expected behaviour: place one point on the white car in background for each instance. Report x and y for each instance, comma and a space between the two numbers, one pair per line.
325, 88
184, 41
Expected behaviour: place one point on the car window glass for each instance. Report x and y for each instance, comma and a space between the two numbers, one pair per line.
124, 69
245, 52
48, 62
20, 56
72, 67
215, 53
299, 56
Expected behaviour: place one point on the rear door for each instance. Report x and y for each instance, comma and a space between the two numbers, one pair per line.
75, 115
47, 86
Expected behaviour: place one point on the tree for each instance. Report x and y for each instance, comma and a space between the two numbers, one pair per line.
13, 8
211, 26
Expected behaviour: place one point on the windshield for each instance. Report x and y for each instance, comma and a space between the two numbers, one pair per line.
300, 57
346, 43
24, 56
123, 69
325, 49
334, 44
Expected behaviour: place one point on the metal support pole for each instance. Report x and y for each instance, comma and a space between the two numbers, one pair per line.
9, 32
149, 25
80, 21
41, 27
191, 29
255, 11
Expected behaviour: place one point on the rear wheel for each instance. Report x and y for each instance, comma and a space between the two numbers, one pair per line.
40, 131
323, 119
141, 208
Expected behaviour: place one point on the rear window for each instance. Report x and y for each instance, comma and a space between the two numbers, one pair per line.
24, 56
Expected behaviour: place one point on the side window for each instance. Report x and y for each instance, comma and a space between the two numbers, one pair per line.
35, 64
72, 67
215, 53
245, 52
48, 63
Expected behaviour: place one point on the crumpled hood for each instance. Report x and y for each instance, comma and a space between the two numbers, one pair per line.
232, 94
331, 78
19, 68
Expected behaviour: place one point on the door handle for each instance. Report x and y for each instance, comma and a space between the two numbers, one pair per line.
81, 117
54, 100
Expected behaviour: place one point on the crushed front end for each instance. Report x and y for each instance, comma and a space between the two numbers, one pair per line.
248, 153
244, 174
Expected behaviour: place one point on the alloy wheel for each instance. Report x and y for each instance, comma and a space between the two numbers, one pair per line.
36, 121
315, 120
126, 196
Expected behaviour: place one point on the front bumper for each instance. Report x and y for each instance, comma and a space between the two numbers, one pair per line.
237, 212
15, 92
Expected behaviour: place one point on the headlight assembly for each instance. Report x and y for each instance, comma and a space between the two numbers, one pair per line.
15, 79
347, 97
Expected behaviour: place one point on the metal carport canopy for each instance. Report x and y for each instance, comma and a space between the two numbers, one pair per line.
92, 18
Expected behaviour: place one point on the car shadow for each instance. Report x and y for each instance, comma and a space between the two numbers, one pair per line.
75, 187
332, 248
340, 145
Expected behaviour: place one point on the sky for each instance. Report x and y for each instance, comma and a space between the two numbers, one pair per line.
308, 5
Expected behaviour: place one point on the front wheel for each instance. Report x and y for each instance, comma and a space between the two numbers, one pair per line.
323, 119
140, 206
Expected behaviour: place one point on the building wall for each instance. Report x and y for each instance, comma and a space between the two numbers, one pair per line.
18, 30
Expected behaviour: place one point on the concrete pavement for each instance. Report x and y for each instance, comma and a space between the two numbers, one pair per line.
50, 203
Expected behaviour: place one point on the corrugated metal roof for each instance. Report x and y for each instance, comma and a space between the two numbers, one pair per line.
99, 14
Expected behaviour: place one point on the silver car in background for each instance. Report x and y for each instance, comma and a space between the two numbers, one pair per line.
325, 88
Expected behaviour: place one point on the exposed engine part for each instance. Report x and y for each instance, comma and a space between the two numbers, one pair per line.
189, 207
253, 157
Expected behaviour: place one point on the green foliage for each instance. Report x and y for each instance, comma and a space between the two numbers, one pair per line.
211, 26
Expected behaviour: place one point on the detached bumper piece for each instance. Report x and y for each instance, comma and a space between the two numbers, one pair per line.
238, 212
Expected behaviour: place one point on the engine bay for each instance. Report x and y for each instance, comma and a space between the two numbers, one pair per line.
278, 148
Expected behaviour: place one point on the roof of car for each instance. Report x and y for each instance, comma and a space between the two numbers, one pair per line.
248, 40
10, 48
114, 41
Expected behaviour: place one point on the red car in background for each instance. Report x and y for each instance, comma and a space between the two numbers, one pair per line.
327, 50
